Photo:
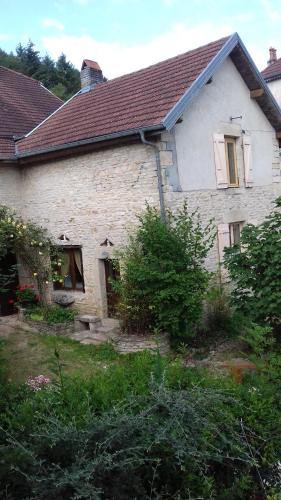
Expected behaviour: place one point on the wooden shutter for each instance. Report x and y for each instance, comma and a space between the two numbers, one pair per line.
223, 239
247, 152
220, 161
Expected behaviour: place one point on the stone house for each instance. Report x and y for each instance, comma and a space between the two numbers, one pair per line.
202, 126
272, 74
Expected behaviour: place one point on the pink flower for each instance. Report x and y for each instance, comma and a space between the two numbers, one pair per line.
36, 383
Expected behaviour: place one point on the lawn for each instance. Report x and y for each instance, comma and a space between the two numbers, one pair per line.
25, 354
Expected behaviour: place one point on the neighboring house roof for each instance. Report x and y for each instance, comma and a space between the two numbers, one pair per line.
24, 102
149, 99
273, 71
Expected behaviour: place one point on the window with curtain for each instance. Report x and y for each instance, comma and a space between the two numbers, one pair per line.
71, 270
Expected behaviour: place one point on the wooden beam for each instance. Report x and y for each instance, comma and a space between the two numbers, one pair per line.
278, 134
256, 93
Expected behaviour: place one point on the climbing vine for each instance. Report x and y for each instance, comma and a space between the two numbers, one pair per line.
33, 248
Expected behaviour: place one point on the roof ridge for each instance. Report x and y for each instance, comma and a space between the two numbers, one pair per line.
168, 59
40, 84
20, 74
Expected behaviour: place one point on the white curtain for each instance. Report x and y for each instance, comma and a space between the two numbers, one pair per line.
65, 264
78, 260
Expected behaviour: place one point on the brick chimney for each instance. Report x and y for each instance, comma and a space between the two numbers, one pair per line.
272, 56
90, 74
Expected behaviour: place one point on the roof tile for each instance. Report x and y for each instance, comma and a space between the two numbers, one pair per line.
24, 103
132, 101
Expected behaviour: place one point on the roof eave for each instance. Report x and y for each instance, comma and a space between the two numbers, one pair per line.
92, 140
175, 113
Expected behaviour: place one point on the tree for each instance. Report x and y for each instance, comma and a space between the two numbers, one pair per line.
60, 77
29, 57
163, 279
256, 270
68, 76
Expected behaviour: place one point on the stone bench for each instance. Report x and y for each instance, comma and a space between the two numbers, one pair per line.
86, 322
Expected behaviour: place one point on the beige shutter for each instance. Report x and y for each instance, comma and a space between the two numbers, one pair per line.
220, 161
223, 239
247, 152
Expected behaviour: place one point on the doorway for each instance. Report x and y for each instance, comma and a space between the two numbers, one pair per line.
112, 272
8, 284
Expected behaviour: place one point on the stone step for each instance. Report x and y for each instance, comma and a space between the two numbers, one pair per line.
111, 322
110, 332
93, 341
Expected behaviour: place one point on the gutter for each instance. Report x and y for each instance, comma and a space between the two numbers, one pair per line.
83, 142
159, 174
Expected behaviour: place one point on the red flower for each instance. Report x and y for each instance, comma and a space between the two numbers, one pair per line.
10, 301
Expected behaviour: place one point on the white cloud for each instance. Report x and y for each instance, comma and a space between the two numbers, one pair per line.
81, 2
272, 14
4, 37
52, 23
117, 59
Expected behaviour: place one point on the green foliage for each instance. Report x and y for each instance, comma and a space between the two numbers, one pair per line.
52, 314
256, 270
163, 279
31, 244
142, 427
26, 296
259, 338
60, 76
164, 444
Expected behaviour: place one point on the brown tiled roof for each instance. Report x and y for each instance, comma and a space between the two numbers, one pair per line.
137, 100
24, 103
273, 71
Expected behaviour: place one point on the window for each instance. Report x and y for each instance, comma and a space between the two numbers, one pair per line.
231, 162
235, 229
71, 270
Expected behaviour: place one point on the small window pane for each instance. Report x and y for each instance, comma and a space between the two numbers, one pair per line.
68, 282
231, 163
236, 234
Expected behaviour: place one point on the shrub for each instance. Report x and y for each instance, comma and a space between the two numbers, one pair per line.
256, 270
259, 338
32, 245
26, 296
52, 314
163, 279
166, 444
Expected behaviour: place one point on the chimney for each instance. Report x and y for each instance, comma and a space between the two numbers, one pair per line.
272, 56
90, 74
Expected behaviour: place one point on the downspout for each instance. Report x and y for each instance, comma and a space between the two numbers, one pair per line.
159, 174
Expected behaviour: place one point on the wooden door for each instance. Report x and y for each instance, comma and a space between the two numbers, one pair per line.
111, 269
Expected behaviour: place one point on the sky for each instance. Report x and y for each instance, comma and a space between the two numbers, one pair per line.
126, 35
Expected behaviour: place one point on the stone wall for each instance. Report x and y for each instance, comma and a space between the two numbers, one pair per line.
10, 186
90, 198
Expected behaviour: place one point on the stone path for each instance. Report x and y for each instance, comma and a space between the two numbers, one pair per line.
10, 324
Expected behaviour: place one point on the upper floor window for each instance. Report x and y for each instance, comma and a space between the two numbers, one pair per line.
231, 162
71, 270
227, 171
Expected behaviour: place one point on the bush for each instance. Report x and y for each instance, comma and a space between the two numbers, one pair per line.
163, 279
167, 444
26, 296
256, 270
52, 314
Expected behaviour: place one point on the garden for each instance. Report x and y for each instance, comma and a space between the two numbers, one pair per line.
84, 422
